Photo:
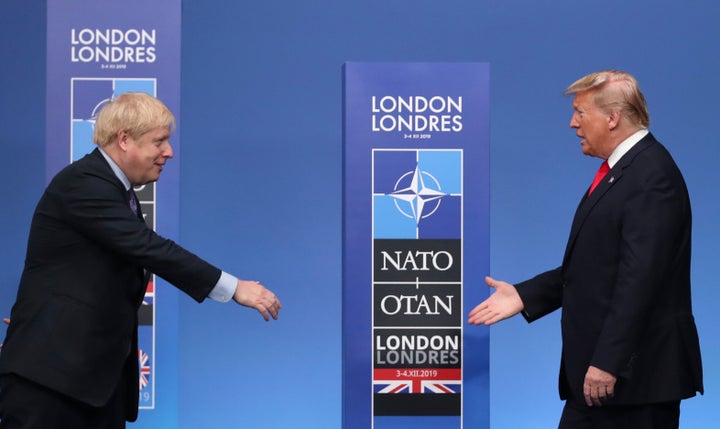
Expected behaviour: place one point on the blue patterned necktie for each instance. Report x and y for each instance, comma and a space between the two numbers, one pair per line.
133, 201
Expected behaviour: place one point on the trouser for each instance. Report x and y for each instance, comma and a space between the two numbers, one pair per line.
577, 415
28, 405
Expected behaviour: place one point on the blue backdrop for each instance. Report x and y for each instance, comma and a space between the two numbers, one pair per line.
261, 169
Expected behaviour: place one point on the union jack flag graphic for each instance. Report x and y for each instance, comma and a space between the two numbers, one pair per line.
437, 386
146, 312
425, 386
393, 386
149, 297
144, 368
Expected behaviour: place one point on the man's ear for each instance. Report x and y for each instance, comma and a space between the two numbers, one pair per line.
613, 120
122, 139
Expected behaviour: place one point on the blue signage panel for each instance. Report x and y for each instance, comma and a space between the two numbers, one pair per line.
415, 245
95, 52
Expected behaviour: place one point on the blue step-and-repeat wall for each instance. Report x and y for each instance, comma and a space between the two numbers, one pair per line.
260, 178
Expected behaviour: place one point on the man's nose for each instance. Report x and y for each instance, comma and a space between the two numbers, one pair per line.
573, 122
168, 150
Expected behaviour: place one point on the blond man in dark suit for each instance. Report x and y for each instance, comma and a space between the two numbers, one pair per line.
70, 356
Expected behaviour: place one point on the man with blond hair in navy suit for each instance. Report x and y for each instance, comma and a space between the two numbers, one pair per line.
70, 356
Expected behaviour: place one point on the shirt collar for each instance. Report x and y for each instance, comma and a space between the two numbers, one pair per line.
625, 146
116, 169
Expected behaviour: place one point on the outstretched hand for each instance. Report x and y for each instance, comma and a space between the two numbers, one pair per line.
254, 295
503, 303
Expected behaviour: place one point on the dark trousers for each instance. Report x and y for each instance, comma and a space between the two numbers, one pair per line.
577, 415
27, 405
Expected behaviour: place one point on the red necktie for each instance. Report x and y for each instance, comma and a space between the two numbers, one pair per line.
602, 171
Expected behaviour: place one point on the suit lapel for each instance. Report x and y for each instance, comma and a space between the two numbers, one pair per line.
589, 202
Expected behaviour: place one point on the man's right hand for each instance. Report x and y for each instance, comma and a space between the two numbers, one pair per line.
254, 295
503, 303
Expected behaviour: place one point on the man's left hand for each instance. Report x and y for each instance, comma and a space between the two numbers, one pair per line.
599, 386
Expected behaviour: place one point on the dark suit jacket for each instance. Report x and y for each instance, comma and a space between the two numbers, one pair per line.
74, 324
624, 284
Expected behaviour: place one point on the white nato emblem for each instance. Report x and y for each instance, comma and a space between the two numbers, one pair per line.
420, 198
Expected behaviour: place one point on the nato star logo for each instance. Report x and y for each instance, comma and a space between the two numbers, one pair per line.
421, 198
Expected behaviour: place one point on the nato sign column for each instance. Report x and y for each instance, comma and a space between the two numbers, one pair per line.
415, 245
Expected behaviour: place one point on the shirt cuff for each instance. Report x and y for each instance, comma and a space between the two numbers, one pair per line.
224, 288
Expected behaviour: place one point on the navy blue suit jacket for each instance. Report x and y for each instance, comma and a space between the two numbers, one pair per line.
624, 284
74, 323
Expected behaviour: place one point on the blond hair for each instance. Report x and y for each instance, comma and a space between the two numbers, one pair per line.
615, 91
133, 112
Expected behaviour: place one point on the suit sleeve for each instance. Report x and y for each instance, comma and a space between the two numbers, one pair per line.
96, 207
541, 295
